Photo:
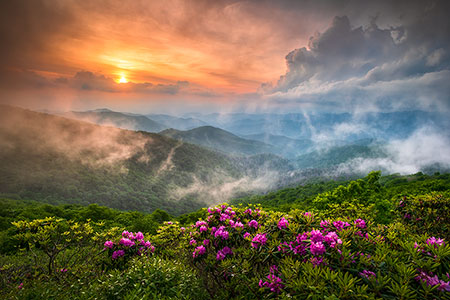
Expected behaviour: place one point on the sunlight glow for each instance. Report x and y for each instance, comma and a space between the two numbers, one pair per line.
123, 79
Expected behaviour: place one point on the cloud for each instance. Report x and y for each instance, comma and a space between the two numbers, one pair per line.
425, 148
395, 67
89, 81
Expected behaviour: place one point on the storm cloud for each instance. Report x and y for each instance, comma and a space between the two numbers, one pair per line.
394, 67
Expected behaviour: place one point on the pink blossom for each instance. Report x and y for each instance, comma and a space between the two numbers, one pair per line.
109, 244
360, 223
259, 240
283, 223
117, 254
253, 223
317, 248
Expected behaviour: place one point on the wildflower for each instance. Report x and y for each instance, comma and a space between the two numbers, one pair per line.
360, 223
332, 239
253, 223
275, 283
302, 237
109, 244
200, 250
139, 236
221, 232
317, 248
200, 223
220, 255
316, 261
324, 224
126, 242
435, 241
368, 274
117, 254
431, 280
259, 240
238, 225
316, 236
283, 223
224, 217
339, 225
20, 286
63, 270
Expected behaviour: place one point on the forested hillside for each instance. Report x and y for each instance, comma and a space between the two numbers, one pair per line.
58, 160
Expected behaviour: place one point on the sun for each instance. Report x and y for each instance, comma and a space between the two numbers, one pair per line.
123, 79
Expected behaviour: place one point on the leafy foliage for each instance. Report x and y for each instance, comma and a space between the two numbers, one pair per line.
344, 247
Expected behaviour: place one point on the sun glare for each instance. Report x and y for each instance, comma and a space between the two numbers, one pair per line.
123, 79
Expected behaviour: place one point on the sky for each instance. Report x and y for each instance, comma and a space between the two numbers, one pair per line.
225, 56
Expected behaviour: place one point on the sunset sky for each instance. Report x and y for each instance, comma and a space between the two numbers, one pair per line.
181, 56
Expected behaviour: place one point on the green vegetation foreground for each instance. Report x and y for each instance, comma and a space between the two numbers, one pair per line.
341, 248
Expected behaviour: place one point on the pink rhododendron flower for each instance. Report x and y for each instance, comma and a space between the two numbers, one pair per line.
316, 236
246, 235
126, 242
253, 223
339, 225
317, 248
435, 241
360, 223
324, 224
139, 236
368, 274
109, 244
283, 223
200, 250
117, 254
259, 240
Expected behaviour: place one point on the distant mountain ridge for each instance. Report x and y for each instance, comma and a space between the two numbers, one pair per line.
117, 119
220, 140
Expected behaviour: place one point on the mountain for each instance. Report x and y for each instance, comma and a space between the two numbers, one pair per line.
117, 119
59, 160
331, 126
176, 122
330, 157
285, 147
219, 140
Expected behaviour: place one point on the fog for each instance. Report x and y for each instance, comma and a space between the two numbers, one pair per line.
427, 147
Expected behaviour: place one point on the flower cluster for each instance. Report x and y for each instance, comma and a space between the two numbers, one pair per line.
223, 230
360, 223
259, 240
368, 274
435, 241
283, 223
431, 280
130, 243
340, 225
221, 254
274, 283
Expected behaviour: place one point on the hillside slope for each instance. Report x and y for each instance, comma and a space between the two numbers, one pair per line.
219, 140
57, 160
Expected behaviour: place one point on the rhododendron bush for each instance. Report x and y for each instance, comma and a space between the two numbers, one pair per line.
240, 252
251, 253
